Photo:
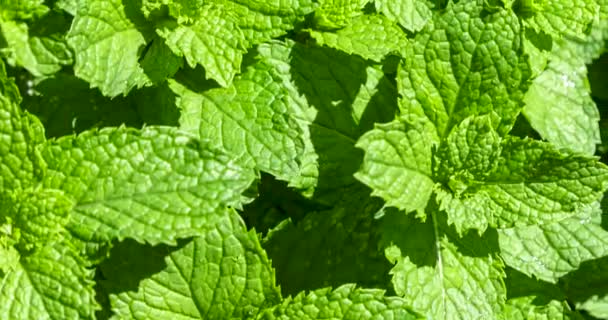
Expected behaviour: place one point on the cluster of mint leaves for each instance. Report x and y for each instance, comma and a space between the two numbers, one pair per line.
300, 159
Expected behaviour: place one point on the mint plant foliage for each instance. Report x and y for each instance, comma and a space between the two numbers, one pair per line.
300, 159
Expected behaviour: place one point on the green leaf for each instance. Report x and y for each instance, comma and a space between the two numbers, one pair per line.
345, 302
107, 45
560, 18
335, 98
533, 183
214, 41
154, 185
20, 162
261, 21
559, 105
37, 218
470, 152
160, 62
410, 14
223, 274
441, 274
550, 251
332, 14
22, 9
41, 55
466, 62
251, 120
370, 36
50, 284
398, 162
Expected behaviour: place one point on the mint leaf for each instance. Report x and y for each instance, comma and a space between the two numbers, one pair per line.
370, 36
345, 302
154, 185
22, 9
459, 277
549, 251
214, 41
50, 284
532, 184
410, 14
251, 120
587, 287
559, 18
562, 91
20, 133
107, 46
223, 274
333, 14
466, 62
398, 162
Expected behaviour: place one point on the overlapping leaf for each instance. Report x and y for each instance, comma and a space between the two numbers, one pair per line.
223, 274
465, 62
411, 14
154, 185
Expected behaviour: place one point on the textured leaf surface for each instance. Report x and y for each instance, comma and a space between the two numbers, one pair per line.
251, 120
411, 14
533, 183
333, 14
335, 98
223, 274
37, 217
214, 41
559, 105
153, 185
39, 55
440, 274
370, 36
50, 284
398, 163
550, 251
261, 21
344, 303
560, 17
20, 162
466, 62
107, 45
22, 9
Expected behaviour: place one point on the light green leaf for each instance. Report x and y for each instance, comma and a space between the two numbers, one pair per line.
343, 303
261, 21
223, 274
335, 98
332, 14
560, 18
441, 274
49, 284
533, 183
159, 62
251, 120
107, 45
36, 217
411, 14
559, 105
40, 55
550, 251
469, 152
398, 162
20, 133
213, 41
466, 62
22, 9
370, 36
154, 185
